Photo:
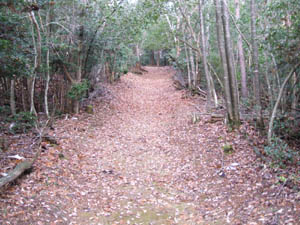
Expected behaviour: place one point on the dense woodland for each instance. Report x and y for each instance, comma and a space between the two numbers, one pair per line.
241, 56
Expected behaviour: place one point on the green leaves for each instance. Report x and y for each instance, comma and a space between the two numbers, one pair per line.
78, 90
156, 37
282, 29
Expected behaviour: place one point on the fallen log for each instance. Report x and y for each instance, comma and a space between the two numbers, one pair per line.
215, 118
16, 172
201, 92
25, 165
20, 168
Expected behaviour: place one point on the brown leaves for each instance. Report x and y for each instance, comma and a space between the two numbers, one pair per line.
139, 160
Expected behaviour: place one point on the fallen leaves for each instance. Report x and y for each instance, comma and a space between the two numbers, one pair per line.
139, 160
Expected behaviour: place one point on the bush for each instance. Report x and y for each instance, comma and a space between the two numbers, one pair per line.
4, 110
125, 71
280, 153
78, 90
23, 122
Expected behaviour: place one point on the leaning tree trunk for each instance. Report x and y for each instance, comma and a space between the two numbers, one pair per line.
270, 130
256, 82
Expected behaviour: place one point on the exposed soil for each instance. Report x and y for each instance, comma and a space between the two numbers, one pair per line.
140, 160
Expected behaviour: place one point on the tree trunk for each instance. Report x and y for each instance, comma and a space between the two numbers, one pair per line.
31, 91
158, 58
48, 30
294, 95
152, 58
241, 54
269, 86
230, 66
47, 84
221, 47
193, 72
226, 53
23, 93
256, 81
137, 52
204, 57
12, 97
76, 102
187, 64
270, 130
37, 59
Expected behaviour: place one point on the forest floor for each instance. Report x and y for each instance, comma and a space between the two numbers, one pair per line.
140, 160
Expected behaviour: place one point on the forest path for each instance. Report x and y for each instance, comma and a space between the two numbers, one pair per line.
136, 156
139, 160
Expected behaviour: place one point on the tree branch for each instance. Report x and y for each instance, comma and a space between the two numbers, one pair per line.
270, 130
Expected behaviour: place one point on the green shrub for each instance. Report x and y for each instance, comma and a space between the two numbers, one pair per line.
280, 153
23, 122
78, 90
4, 110
125, 71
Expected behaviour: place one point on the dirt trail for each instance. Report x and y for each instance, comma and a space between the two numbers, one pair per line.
140, 160
138, 157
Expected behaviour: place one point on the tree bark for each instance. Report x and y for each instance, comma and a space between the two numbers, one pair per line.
76, 102
270, 130
193, 72
152, 58
221, 47
12, 97
256, 81
37, 59
158, 58
23, 93
241, 54
48, 35
231, 89
16, 172
204, 57
187, 64
294, 95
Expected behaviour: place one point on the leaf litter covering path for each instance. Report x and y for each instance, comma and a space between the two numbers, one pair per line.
139, 160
